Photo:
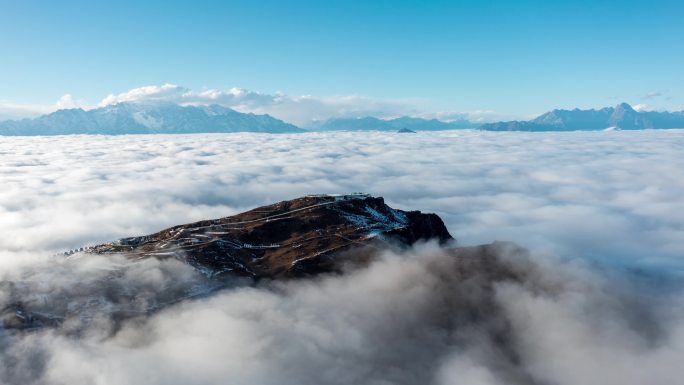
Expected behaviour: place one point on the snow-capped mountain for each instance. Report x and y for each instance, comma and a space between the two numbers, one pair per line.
622, 116
135, 118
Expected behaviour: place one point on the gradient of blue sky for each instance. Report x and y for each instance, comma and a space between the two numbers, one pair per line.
513, 57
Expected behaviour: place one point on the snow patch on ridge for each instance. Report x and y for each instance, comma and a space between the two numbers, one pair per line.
377, 222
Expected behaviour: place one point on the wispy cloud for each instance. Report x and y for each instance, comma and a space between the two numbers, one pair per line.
642, 107
10, 110
655, 94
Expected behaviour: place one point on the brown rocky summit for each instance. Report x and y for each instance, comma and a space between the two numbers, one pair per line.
299, 237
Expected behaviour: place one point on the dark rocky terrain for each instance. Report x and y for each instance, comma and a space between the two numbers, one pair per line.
293, 239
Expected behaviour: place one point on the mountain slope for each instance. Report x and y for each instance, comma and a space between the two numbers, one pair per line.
132, 118
622, 116
287, 239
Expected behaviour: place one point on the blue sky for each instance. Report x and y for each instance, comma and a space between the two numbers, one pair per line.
514, 58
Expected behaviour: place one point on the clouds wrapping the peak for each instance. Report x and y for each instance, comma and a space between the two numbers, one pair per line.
303, 110
642, 107
67, 101
172, 93
165, 92
300, 110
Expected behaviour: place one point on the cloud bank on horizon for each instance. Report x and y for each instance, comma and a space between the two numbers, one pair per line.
485, 185
299, 110
594, 199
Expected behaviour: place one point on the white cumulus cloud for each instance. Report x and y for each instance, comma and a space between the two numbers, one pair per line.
302, 110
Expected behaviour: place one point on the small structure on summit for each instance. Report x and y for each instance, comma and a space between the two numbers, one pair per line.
342, 197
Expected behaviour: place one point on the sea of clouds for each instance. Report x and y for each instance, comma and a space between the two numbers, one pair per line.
600, 212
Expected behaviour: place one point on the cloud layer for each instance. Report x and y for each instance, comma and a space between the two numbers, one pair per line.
577, 194
600, 212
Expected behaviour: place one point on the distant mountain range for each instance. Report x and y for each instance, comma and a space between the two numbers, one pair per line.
133, 118
622, 116
374, 124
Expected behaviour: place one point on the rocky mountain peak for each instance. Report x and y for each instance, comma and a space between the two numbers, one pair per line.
302, 236
624, 107
291, 239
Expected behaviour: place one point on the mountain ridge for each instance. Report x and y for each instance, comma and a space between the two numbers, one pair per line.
623, 116
370, 123
139, 118
168, 118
